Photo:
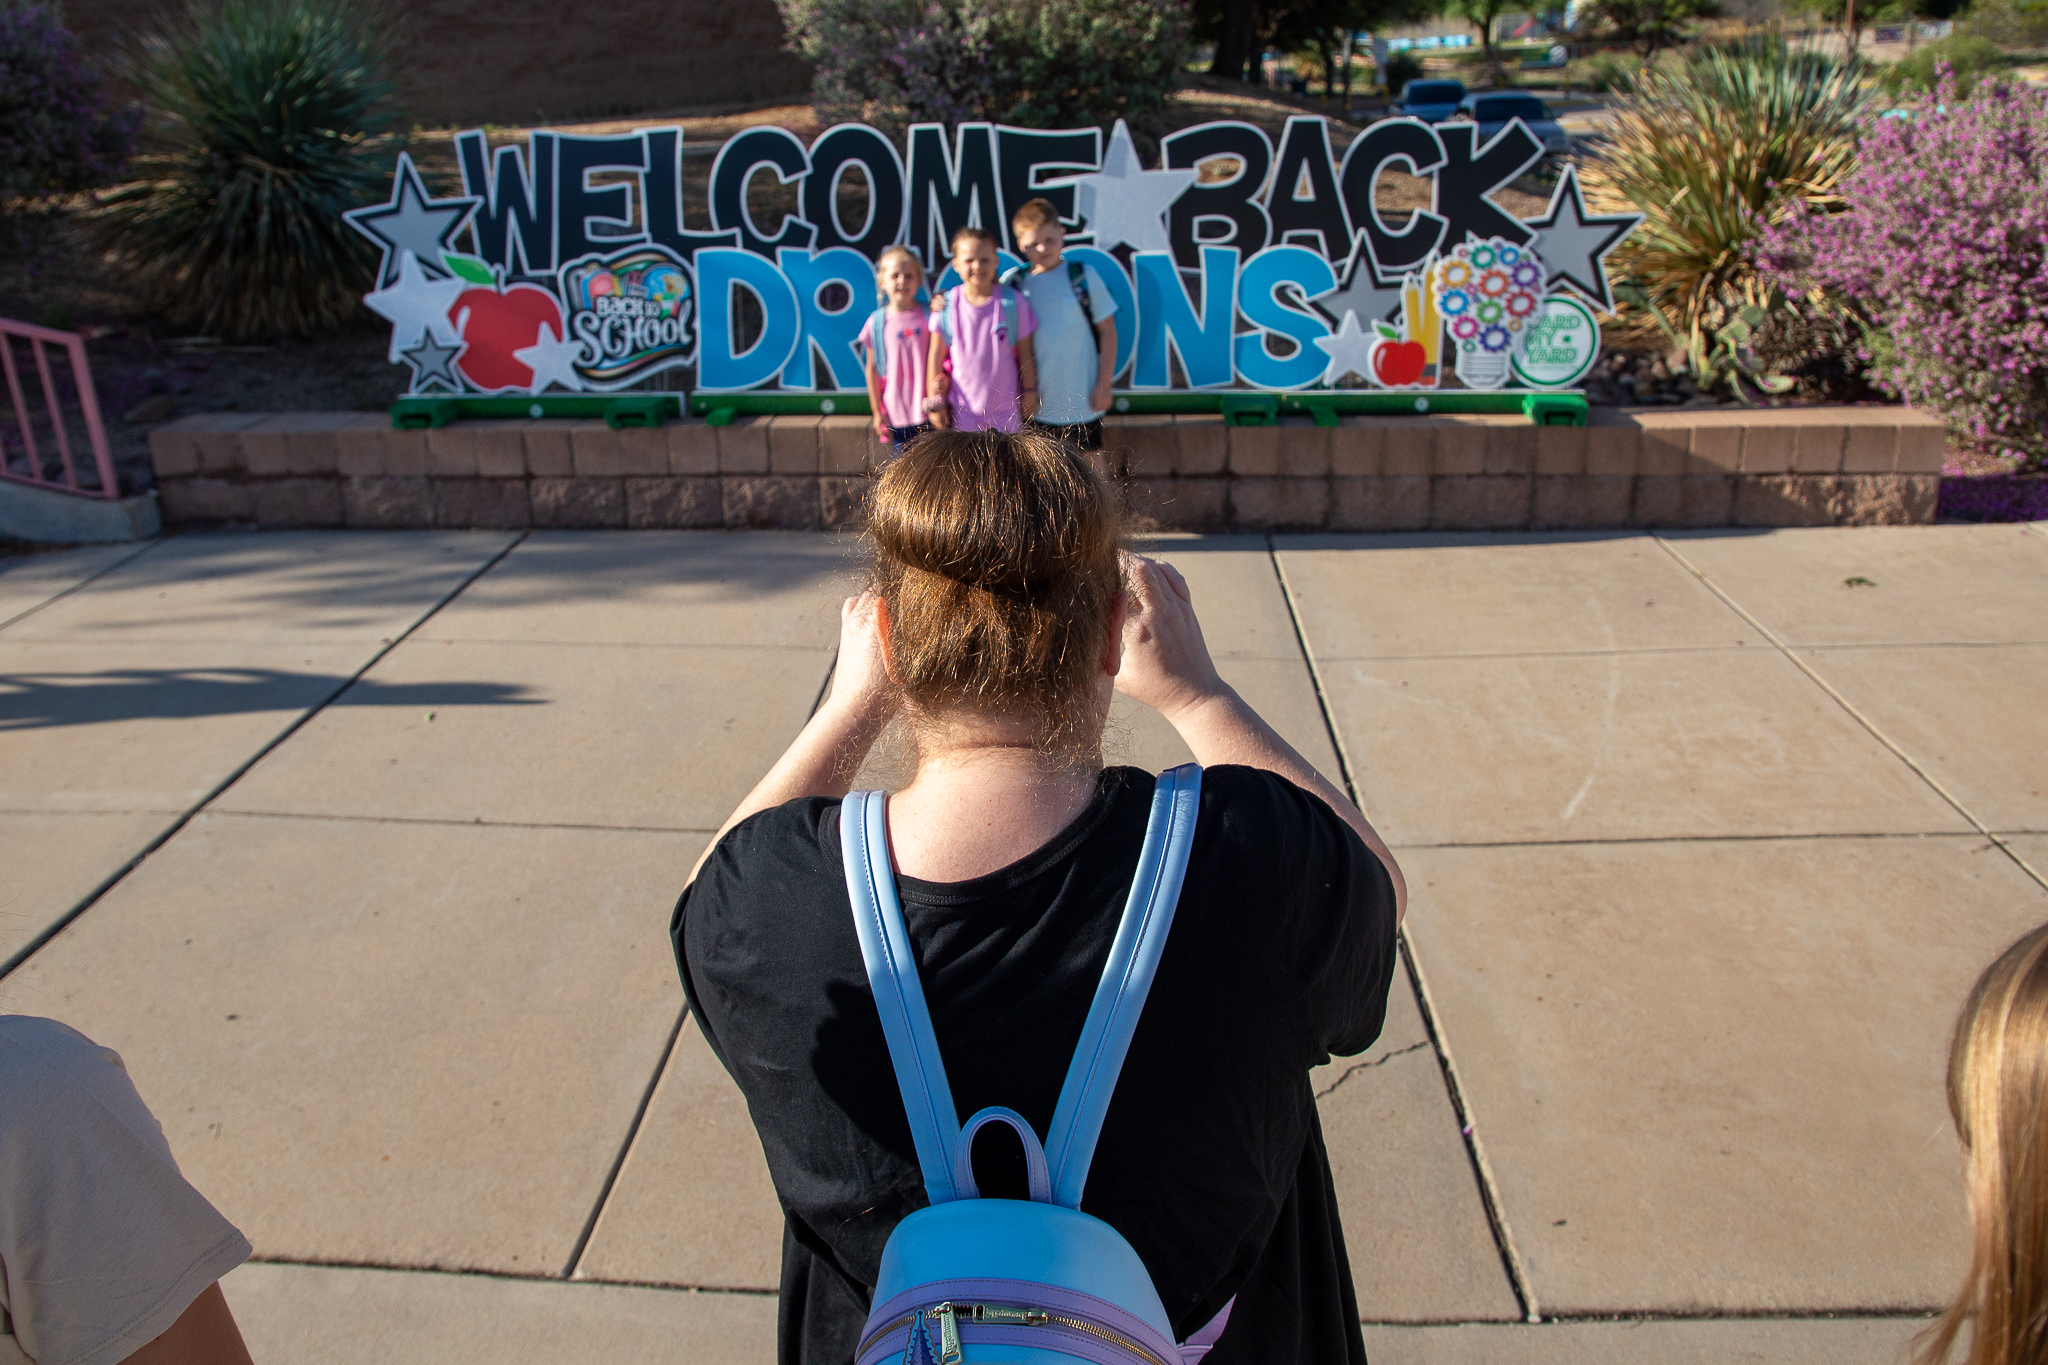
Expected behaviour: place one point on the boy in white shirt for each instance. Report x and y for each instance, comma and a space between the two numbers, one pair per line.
1075, 344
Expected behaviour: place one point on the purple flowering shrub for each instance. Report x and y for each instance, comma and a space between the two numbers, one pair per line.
58, 131
1942, 251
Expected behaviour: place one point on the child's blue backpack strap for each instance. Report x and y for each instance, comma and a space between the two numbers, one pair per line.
1058, 1172
1077, 279
878, 340
1009, 298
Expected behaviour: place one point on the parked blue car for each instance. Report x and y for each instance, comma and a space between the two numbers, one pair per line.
1431, 101
1494, 112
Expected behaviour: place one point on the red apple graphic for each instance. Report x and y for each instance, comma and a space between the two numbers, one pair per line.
499, 324
1397, 364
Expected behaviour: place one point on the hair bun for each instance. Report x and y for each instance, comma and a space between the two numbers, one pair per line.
997, 556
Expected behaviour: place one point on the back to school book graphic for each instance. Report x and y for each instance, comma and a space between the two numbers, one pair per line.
568, 264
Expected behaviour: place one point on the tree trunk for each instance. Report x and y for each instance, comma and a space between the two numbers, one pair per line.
1348, 36
1233, 43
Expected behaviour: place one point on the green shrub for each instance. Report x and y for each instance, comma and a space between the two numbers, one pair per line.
1711, 150
1607, 71
271, 111
1402, 67
1970, 56
1034, 63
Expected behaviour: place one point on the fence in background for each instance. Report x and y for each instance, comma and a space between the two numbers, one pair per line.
48, 411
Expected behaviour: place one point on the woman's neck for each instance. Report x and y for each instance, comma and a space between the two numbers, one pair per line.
981, 802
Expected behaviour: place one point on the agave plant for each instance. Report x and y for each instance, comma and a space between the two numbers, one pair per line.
1711, 150
272, 112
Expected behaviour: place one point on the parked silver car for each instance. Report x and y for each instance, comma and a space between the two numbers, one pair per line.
1432, 101
1493, 112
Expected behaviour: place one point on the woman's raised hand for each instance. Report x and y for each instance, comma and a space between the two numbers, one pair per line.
1166, 662
860, 680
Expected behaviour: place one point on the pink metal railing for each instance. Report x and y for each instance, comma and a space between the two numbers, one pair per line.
23, 459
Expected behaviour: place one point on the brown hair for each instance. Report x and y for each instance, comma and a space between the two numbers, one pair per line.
972, 234
1998, 1096
997, 558
1033, 213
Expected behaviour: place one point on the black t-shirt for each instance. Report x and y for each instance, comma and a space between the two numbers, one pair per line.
1211, 1163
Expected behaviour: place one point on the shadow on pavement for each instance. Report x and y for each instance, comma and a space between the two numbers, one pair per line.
42, 701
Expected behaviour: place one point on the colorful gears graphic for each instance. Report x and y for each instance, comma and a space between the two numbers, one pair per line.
1494, 283
1494, 338
1464, 329
1489, 311
1454, 304
1528, 275
1455, 274
1521, 303
1484, 256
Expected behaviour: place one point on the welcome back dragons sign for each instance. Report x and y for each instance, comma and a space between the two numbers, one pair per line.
570, 263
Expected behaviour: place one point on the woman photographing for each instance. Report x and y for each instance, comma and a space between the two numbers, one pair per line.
1001, 617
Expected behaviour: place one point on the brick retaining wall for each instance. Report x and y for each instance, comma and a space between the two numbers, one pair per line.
1661, 468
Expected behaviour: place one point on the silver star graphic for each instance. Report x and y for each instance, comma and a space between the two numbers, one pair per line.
409, 221
1572, 245
1350, 350
552, 360
416, 306
432, 362
1125, 203
1364, 295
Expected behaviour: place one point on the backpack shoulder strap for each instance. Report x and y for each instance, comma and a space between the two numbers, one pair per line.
1126, 980
878, 340
1009, 303
1013, 275
1077, 276
899, 998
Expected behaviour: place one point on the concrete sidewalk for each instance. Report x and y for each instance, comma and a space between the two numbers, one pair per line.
360, 849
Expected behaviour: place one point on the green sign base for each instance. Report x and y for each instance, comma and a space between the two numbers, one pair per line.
617, 410
1544, 407
1238, 408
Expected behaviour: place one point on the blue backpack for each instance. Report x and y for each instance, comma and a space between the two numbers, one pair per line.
1026, 1282
1077, 280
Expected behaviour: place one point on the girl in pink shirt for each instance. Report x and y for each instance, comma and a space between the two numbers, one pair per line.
982, 376
896, 341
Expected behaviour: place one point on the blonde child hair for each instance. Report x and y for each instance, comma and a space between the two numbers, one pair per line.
890, 253
1998, 1096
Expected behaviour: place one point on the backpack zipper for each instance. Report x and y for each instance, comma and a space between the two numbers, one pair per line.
948, 1316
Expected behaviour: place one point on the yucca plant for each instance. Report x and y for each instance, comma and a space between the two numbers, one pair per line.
272, 113
1712, 150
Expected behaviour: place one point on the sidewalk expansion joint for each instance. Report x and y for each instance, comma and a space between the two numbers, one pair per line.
611, 1178
1475, 1150
84, 582
475, 822
1854, 714
120, 874
1623, 840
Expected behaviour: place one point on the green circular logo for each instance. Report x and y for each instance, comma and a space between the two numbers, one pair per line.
1564, 341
